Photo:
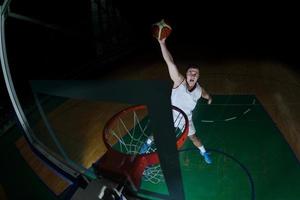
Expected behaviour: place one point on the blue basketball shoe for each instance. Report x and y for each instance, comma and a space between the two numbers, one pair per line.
206, 157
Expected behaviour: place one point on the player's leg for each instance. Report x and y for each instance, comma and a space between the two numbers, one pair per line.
147, 144
197, 142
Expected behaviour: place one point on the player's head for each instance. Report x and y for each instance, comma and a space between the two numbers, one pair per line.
192, 75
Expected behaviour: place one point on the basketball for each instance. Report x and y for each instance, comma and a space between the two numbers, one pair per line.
161, 29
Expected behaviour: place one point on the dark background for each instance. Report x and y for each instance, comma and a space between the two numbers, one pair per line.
251, 30
237, 29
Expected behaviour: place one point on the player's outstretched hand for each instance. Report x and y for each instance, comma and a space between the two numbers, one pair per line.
162, 40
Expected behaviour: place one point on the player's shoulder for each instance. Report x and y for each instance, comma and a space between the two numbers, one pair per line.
199, 86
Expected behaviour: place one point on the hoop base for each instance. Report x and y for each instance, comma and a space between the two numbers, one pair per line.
121, 168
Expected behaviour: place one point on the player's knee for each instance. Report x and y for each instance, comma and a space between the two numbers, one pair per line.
193, 137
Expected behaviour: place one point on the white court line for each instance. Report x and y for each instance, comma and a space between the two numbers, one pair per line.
228, 119
248, 110
209, 121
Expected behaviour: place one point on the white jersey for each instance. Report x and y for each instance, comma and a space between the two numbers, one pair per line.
182, 98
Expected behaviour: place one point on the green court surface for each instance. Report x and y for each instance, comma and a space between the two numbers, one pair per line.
251, 159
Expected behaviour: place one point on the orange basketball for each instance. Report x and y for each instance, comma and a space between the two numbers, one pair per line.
161, 29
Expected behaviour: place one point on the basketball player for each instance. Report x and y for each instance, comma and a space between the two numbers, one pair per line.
185, 94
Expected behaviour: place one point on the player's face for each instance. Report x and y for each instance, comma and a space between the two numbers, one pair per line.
192, 76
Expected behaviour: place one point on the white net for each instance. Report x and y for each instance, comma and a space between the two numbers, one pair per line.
131, 134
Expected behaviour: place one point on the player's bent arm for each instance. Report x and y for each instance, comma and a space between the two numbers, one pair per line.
206, 96
172, 68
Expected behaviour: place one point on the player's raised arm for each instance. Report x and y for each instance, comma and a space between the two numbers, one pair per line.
176, 77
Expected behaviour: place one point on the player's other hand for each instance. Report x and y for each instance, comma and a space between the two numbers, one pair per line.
209, 100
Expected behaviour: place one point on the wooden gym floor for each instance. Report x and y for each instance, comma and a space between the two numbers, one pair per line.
78, 124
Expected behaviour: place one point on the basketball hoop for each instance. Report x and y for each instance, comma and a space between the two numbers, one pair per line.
124, 135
